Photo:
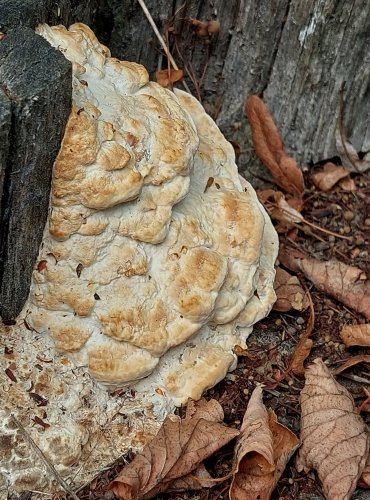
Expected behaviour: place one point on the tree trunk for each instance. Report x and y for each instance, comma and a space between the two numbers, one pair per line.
296, 54
35, 100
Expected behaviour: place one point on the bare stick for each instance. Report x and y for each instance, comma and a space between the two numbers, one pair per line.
305, 221
44, 459
160, 38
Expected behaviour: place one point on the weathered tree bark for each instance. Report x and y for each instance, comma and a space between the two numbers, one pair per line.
5, 123
37, 82
296, 54
35, 95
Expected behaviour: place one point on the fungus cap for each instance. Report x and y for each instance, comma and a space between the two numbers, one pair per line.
157, 259
154, 241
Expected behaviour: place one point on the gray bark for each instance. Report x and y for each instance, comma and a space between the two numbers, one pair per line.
5, 122
323, 45
37, 81
35, 100
30, 13
296, 54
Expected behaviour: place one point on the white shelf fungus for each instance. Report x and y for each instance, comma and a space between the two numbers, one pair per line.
156, 261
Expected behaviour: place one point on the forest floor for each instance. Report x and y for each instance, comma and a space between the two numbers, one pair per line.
272, 343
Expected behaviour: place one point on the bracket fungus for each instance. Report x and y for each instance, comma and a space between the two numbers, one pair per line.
157, 259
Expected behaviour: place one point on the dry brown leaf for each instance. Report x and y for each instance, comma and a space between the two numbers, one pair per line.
347, 184
198, 479
354, 360
201, 27
178, 449
205, 28
166, 77
365, 405
262, 452
286, 212
289, 292
270, 148
301, 352
329, 176
334, 438
364, 481
348, 153
213, 26
304, 346
280, 209
345, 283
356, 335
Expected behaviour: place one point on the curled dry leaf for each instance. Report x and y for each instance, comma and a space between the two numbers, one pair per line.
345, 283
205, 28
329, 176
334, 438
347, 184
280, 209
167, 77
356, 335
289, 292
304, 346
354, 360
196, 480
301, 352
178, 449
364, 481
365, 405
262, 452
270, 148
348, 153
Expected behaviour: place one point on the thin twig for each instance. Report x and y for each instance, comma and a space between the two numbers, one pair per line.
43, 458
41, 493
304, 221
332, 233
221, 492
213, 480
188, 72
311, 319
355, 378
273, 392
160, 39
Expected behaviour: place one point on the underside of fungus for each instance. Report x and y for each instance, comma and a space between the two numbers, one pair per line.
157, 259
